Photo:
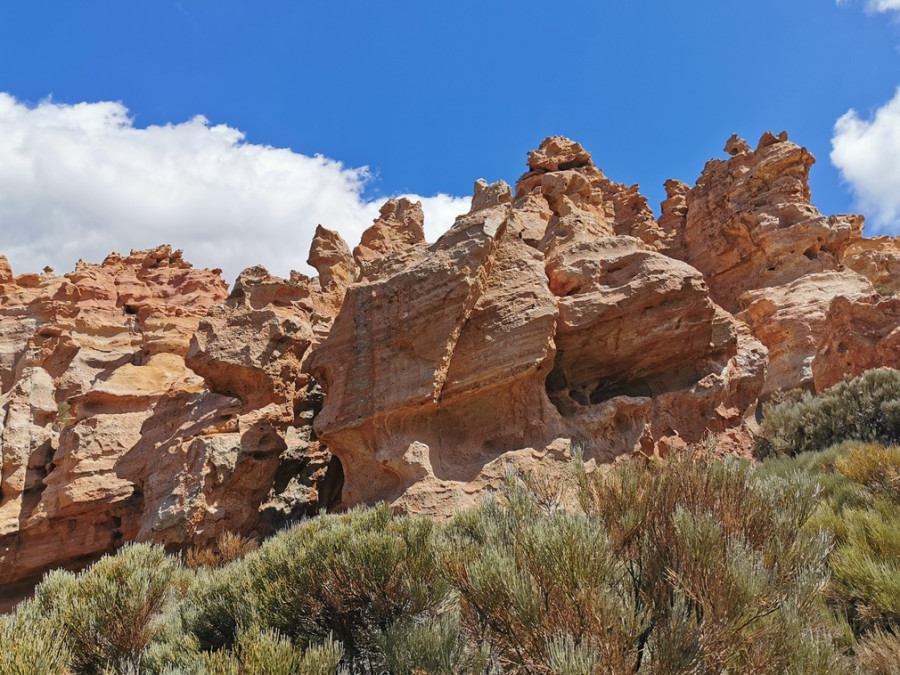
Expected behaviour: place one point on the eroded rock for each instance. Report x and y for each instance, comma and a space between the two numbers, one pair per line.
749, 223
107, 433
860, 333
141, 401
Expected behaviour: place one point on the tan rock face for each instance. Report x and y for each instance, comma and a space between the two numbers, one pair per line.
620, 309
108, 435
337, 269
859, 334
140, 400
749, 224
389, 361
399, 229
791, 321
531, 323
877, 259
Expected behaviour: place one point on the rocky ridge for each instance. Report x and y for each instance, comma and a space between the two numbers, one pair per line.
142, 401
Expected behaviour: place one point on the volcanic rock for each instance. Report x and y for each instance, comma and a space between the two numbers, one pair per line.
791, 321
500, 341
139, 400
877, 259
749, 223
398, 230
859, 334
109, 436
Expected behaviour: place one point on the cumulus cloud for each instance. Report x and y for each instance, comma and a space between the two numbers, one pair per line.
81, 181
866, 151
877, 5
883, 5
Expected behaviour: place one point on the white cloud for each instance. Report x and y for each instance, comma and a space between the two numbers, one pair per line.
883, 5
81, 181
877, 5
866, 153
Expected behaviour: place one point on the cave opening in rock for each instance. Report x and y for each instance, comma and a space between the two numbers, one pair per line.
331, 488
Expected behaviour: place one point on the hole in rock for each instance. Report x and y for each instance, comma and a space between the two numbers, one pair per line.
331, 486
606, 391
579, 397
574, 164
287, 469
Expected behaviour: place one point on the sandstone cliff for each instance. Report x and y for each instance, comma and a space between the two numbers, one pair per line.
140, 400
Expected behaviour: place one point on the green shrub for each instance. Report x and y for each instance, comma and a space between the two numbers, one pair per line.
719, 560
566, 656
683, 565
875, 466
866, 561
172, 650
526, 575
349, 576
264, 652
865, 408
879, 653
687, 564
32, 643
859, 510
434, 645
885, 289
218, 604
106, 612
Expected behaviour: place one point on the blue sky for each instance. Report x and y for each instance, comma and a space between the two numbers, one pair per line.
428, 95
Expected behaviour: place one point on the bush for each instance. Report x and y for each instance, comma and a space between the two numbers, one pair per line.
687, 564
865, 564
865, 408
229, 547
879, 653
435, 645
859, 509
683, 565
32, 643
874, 466
720, 562
263, 652
349, 576
106, 613
172, 650
218, 604
526, 574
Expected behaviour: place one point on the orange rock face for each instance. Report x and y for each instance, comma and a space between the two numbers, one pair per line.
860, 334
139, 400
109, 434
748, 223
531, 325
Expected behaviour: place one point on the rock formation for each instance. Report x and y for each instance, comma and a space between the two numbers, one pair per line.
140, 400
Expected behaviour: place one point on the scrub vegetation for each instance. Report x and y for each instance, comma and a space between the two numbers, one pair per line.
687, 564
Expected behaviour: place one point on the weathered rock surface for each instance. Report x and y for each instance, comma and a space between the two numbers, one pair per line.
748, 222
877, 259
503, 340
140, 400
859, 334
109, 435
791, 321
